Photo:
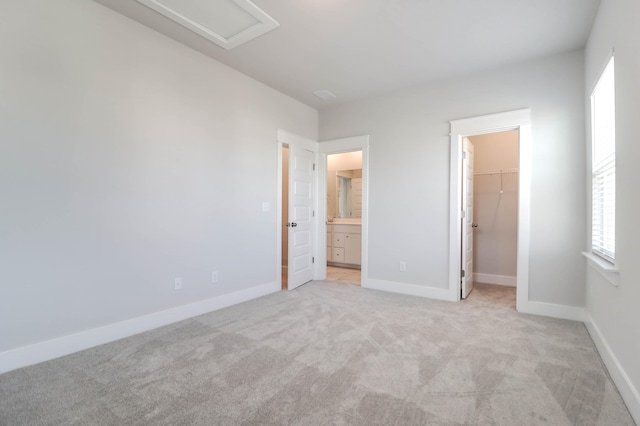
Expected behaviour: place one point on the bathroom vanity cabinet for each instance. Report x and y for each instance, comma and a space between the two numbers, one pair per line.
344, 245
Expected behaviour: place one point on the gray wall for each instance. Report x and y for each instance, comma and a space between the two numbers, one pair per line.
409, 171
615, 311
127, 160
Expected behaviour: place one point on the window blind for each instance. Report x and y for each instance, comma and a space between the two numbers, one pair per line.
603, 235
603, 218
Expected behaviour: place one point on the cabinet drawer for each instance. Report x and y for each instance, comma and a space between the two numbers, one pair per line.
337, 254
351, 229
338, 239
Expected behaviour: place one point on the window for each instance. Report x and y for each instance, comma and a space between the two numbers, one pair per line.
603, 129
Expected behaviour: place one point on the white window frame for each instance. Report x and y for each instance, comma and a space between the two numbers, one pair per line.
603, 167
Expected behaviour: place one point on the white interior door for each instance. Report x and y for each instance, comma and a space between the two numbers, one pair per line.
300, 215
467, 218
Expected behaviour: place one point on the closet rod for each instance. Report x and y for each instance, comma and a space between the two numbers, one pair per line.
496, 172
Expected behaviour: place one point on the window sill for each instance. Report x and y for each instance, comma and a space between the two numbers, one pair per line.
607, 270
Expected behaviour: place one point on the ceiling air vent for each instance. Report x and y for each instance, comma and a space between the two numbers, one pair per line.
228, 23
324, 94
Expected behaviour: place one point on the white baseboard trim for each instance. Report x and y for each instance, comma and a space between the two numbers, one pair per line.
409, 289
629, 393
494, 279
552, 310
65, 345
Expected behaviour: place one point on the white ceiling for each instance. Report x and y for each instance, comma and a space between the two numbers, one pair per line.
362, 48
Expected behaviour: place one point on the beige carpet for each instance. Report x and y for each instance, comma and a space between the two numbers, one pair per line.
331, 353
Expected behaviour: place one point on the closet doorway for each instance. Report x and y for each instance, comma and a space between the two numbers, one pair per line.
461, 130
495, 208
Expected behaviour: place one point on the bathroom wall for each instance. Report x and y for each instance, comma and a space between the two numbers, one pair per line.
495, 208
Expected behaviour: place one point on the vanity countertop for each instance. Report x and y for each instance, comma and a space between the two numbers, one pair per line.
345, 221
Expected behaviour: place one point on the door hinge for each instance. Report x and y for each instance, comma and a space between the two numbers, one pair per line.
462, 273
313, 213
464, 214
314, 167
464, 155
313, 259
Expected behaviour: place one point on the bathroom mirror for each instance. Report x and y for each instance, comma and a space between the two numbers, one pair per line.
344, 194
344, 185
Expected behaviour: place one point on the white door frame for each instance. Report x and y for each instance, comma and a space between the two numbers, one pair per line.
337, 146
511, 120
287, 138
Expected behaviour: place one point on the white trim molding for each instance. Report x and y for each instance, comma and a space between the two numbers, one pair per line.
629, 393
573, 313
65, 345
492, 123
253, 23
494, 279
410, 289
290, 138
609, 271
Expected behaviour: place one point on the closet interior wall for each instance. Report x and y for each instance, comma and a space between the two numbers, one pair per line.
496, 207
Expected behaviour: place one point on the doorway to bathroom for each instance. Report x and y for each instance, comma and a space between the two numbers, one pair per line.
344, 241
344, 216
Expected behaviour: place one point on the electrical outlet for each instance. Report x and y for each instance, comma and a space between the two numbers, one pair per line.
214, 277
177, 283
403, 266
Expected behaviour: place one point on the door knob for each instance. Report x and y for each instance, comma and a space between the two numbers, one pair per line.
474, 225
293, 224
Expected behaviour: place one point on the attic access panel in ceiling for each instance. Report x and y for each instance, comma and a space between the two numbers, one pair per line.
228, 23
